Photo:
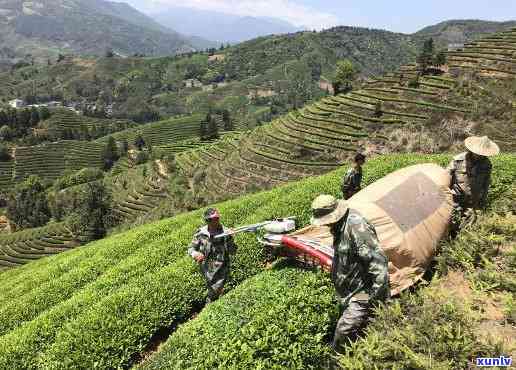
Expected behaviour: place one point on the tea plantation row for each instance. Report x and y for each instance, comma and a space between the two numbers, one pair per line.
101, 303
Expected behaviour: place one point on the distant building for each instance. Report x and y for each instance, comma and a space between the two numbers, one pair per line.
216, 57
455, 47
193, 82
53, 104
17, 103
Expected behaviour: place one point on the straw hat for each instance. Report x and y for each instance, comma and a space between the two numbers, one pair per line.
482, 146
327, 210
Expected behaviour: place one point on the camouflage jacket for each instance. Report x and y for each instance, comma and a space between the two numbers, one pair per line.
216, 262
351, 182
359, 264
470, 181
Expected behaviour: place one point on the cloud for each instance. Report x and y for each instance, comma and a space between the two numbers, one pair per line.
297, 14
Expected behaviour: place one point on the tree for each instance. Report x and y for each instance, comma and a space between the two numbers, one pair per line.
44, 113
4, 118
300, 85
139, 142
4, 152
345, 74
203, 130
93, 212
5, 133
440, 59
110, 154
84, 133
27, 205
34, 117
426, 58
226, 118
213, 129
414, 82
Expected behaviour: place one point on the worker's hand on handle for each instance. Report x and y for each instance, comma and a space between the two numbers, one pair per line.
199, 257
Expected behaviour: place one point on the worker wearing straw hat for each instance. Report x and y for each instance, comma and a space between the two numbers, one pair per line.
359, 269
471, 175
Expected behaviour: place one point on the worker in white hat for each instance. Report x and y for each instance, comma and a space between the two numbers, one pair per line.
471, 174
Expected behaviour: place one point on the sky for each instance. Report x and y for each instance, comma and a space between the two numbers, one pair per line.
394, 15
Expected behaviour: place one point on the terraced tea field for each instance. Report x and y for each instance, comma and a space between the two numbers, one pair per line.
137, 193
65, 119
322, 136
490, 56
165, 133
27, 246
99, 305
49, 161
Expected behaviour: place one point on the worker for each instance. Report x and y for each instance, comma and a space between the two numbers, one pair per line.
351, 184
471, 177
213, 255
359, 267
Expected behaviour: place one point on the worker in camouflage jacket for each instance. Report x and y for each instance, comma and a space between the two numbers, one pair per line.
471, 177
359, 268
352, 181
213, 255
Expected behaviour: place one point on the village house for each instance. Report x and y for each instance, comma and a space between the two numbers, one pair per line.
455, 47
192, 82
17, 103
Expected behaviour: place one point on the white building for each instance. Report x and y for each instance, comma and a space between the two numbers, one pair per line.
17, 103
455, 47
193, 82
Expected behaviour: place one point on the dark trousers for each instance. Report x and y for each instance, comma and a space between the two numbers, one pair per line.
354, 318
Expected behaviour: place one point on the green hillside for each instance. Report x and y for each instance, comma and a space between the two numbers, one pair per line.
387, 114
163, 132
461, 31
474, 94
49, 161
101, 304
64, 120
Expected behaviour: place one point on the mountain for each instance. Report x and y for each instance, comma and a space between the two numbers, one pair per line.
461, 31
45, 28
219, 26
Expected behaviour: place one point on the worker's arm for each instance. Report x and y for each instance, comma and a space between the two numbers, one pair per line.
485, 188
346, 182
451, 169
194, 250
373, 259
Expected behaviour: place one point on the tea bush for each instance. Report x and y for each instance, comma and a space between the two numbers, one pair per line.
104, 307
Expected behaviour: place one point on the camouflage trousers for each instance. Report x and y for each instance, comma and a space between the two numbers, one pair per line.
462, 218
216, 275
353, 319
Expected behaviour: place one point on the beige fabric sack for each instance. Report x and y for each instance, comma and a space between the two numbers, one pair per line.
411, 211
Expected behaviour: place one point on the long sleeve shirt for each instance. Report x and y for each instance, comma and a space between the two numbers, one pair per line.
470, 181
359, 264
351, 183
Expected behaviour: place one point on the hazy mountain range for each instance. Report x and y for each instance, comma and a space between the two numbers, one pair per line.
221, 27
44, 28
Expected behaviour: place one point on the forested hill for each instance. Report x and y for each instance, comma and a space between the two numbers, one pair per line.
461, 31
266, 63
46, 27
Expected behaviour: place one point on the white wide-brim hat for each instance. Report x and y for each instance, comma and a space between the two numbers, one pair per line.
482, 146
